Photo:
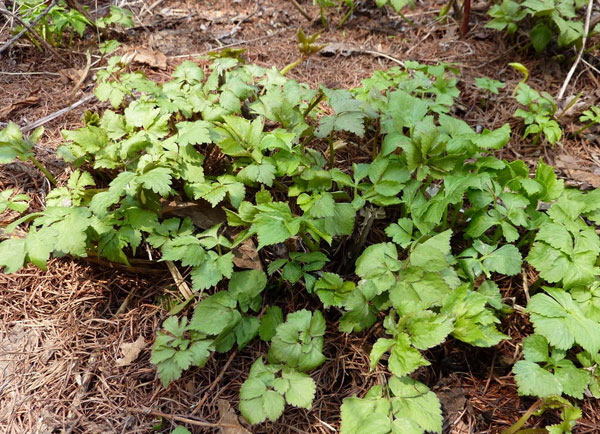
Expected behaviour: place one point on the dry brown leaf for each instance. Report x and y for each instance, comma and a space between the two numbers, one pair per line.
246, 256
229, 417
154, 59
201, 212
71, 74
577, 171
131, 351
30, 100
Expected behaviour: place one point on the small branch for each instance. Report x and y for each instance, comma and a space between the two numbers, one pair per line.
302, 11
33, 24
214, 383
182, 286
35, 35
586, 30
56, 114
183, 419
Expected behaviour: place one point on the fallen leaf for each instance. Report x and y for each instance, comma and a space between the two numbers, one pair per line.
30, 100
201, 212
229, 417
72, 74
335, 48
131, 351
577, 170
154, 59
246, 256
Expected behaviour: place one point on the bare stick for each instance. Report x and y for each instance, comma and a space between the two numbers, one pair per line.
35, 35
33, 24
54, 115
586, 30
302, 11
182, 286
181, 418
214, 383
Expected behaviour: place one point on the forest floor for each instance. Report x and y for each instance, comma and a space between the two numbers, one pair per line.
65, 332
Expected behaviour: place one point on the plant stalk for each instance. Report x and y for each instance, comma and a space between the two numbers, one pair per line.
43, 169
312, 245
292, 65
318, 98
523, 419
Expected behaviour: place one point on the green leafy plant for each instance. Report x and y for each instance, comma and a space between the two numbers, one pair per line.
270, 387
14, 146
258, 147
63, 20
489, 84
306, 46
298, 342
589, 117
11, 201
539, 115
545, 20
406, 406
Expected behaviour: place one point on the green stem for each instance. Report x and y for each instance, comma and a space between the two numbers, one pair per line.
331, 152
445, 219
497, 235
455, 215
292, 65
375, 149
525, 240
523, 419
323, 19
343, 21
43, 169
312, 245
583, 128
318, 98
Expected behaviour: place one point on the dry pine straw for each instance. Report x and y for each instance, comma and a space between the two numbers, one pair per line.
60, 337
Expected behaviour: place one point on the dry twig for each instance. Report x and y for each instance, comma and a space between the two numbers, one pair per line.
586, 30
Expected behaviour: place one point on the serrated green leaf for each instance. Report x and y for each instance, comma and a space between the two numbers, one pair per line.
534, 380
270, 320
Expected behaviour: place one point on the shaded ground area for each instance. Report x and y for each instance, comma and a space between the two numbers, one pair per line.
62, 331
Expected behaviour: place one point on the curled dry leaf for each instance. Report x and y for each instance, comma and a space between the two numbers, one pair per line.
154, 59
246, 256
131, 351
201, 212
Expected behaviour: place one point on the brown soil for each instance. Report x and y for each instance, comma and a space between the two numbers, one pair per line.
61, 330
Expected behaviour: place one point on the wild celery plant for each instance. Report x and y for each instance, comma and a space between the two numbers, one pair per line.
539, 114
257, 145
545, 20
589, 118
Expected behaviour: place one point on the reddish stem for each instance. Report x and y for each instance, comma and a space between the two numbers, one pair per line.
464, 27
